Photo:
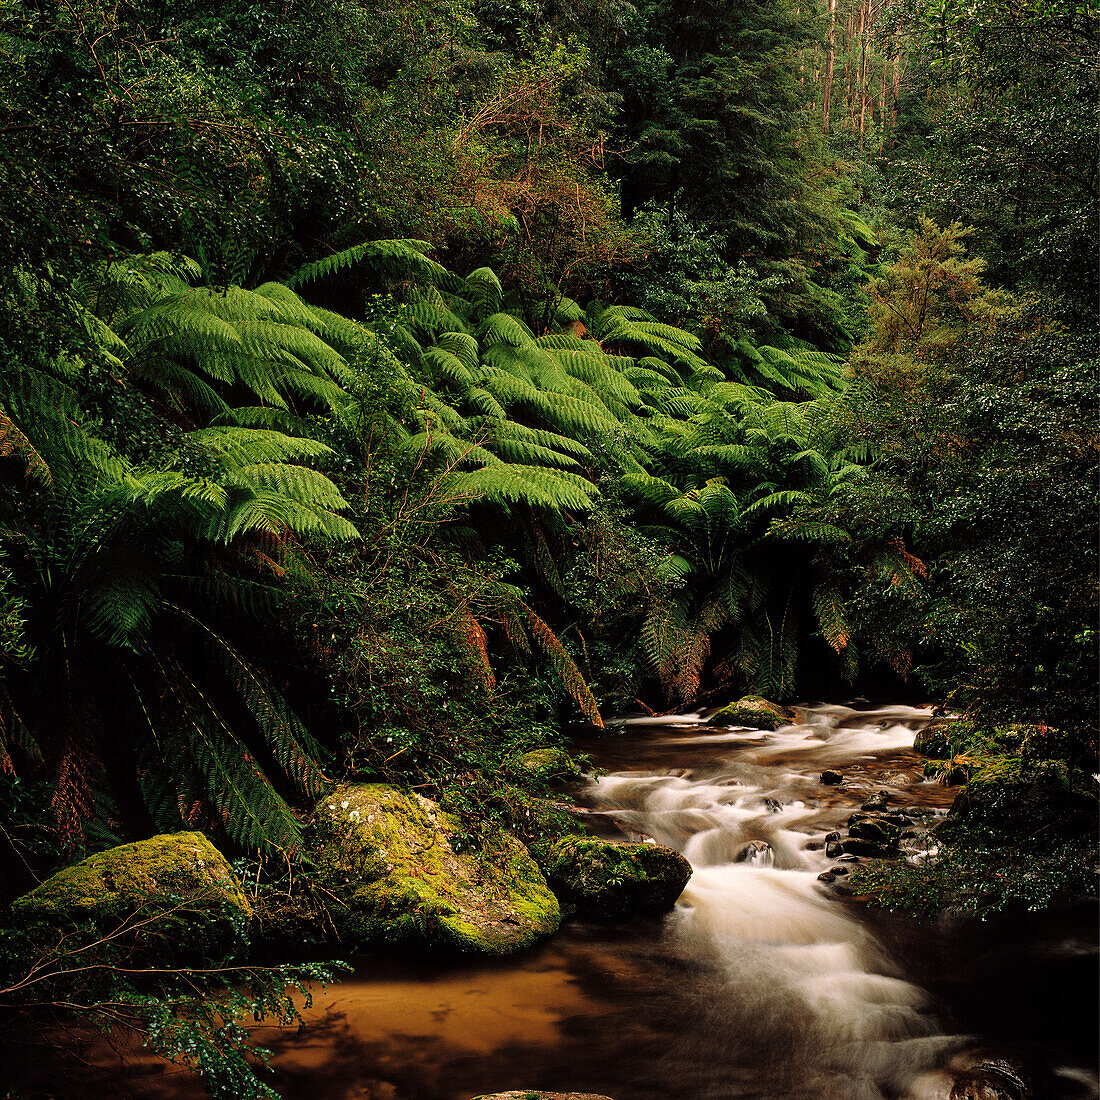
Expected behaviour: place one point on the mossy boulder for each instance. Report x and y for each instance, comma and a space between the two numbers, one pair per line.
169, 898
1033, 798
935, 739
549, 765
752, 711
608, 881
866, 827
399, 872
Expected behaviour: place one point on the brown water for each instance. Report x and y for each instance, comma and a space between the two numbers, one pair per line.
761, 984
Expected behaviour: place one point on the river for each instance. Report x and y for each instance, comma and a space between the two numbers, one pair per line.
763, 983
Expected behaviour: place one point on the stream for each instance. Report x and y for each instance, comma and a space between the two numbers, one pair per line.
762, 983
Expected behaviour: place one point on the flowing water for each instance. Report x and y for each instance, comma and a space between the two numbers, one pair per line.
763, 983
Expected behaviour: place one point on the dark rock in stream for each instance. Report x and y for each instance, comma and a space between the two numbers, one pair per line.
876, 802
772, 806
535, 1094
994, 1078
606, 881
757, 852
855, 846
876, 829
934, 740
831, 778
833, 849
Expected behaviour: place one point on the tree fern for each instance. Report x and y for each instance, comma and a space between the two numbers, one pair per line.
391, 259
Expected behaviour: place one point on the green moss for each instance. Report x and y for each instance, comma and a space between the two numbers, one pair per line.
179, 879
549, 764
751, 711
399, 875
598, 878
935, 739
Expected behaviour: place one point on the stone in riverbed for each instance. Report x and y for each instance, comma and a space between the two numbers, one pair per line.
831, 778
994, 1078
876, 802
855, 846
873, 828
751, 711
935, 739
535, 1094
398, 873
177, 886
608, 881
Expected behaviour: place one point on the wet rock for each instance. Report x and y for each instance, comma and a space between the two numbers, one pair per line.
833, 849
832, 836
934, 740
831, 778
956, 775
898, 779
856, 846
772, 805
874, 828
993, 1078
607, 881
826, 876
752, 711
838, 870
847, 858
876, 802
178, 885
398, 870
757, 852
814, 845
535, 1094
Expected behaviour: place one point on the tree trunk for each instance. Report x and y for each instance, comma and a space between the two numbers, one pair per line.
864, 11
830, 54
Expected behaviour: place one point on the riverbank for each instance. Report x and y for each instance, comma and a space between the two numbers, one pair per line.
762, 978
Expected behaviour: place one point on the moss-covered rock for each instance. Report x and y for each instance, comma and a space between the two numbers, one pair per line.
1036, 798
867, 827
935, 739
549, 764
399, 874
752, 711
607, 881
172, 897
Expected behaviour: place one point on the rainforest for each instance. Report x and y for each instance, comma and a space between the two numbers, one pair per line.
549, 545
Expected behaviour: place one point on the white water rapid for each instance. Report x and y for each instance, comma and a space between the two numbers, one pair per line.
798, 974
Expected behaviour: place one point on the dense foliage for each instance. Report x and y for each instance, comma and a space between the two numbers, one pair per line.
387, 388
